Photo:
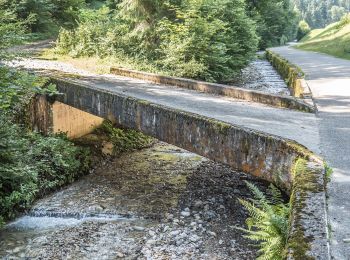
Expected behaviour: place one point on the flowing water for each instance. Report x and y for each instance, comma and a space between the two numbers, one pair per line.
260, 75
157, 203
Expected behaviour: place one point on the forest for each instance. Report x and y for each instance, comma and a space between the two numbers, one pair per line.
320, 13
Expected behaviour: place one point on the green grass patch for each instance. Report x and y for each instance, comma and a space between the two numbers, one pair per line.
333, 40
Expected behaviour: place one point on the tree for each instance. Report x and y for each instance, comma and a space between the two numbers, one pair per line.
275, 19
303, 29
320, 13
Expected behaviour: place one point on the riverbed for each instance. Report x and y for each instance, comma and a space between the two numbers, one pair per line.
161, 202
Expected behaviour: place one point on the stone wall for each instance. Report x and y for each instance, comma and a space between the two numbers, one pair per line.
283, 162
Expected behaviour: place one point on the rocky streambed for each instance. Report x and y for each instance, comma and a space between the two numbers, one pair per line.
157, 203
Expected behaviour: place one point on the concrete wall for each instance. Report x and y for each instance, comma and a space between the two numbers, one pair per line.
294, 77
72, 121
56, 117
287, 164
219, 89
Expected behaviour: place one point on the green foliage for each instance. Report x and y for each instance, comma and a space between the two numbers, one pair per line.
45, 16
11, 31
329, 172
303, 29
276, 21
31, 165
203, 39
17, 86
268, 222
124, 139
319, 13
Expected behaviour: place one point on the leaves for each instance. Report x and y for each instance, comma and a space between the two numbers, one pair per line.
207, 39
268, 222
31, 164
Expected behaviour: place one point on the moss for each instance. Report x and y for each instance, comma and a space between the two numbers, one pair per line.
290, 72
144, 102
222, 127
329, 172
124, 140
304, 183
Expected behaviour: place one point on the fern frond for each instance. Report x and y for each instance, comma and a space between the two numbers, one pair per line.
268, 222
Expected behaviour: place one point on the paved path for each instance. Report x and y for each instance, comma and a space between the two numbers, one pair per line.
329, 80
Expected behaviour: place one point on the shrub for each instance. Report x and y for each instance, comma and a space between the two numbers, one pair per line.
31, 165
46, 16
268, 222
124, 139
208, 39
303, 30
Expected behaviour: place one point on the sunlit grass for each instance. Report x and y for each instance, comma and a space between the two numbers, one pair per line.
99, 65
333, 40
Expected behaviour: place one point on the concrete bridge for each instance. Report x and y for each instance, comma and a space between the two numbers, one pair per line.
250, 137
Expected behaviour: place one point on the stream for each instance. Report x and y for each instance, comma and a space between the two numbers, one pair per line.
161, 202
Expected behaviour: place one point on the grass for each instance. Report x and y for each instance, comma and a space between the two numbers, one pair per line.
99, 65
333, 40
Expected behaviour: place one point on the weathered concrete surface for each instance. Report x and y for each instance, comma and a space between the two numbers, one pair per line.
267, 156
294, 77
74, 122
329, 80
263, 155
47, 117
294, 125
219, 89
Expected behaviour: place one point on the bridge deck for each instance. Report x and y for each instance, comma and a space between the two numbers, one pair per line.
299, 126
294, 125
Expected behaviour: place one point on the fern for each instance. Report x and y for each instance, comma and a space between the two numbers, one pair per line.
268, 222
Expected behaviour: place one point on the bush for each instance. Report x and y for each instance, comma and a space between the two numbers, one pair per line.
268, 222
209, 39
31, 165
124, 140
303, 30
45, 16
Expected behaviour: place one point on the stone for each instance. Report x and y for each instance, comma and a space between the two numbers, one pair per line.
138, 228
185, 213
119, 255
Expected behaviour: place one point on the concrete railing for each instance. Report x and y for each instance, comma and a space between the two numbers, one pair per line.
287, 164
219, 89
293, 75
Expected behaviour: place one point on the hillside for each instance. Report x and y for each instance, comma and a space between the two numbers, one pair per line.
333, 40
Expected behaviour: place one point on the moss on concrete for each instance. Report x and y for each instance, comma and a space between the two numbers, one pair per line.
290, 72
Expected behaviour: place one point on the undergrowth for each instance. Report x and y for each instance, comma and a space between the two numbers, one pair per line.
268, 223
124, 140
30, 164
